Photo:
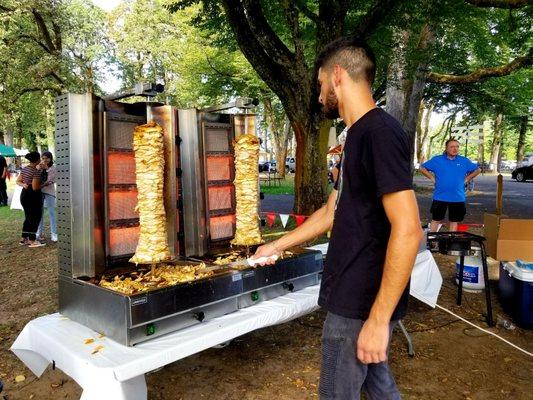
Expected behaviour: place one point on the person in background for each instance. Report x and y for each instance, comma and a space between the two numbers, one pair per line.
450, 172
3, 186
31, 199
49, 195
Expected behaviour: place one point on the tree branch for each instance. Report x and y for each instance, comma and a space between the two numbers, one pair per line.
291, 13
57, 36
34, 39
37, 89
44, 31
268, 69
482, 73
508, 4
264, 33
370, 21
218, 72
300, 4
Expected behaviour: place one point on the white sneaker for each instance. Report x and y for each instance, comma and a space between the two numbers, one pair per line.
53, 238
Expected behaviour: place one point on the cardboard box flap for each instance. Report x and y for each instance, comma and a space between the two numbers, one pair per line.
516, 229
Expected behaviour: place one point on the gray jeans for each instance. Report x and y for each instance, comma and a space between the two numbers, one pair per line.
342, 375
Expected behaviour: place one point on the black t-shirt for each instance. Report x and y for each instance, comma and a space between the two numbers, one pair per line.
376, 161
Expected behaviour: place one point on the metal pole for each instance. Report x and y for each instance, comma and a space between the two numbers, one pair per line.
490, 322
461, 272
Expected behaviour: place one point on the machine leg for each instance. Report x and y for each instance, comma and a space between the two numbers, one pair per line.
490, 322
410, 349
460, 278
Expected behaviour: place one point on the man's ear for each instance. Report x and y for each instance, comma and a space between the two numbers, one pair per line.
336, 75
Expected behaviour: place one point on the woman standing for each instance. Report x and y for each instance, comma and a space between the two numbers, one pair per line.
31, 199
49, 196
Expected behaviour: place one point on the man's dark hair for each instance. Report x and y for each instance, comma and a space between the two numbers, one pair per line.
450, 140
33, 156
352, 54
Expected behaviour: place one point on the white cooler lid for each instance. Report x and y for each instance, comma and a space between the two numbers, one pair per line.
523, 274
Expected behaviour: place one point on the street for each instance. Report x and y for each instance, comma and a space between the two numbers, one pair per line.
517, 199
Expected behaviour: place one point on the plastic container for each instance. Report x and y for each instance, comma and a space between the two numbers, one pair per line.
516, 293
473, 280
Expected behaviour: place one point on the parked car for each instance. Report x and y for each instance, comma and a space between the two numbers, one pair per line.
267, 166
522, 174
290, 164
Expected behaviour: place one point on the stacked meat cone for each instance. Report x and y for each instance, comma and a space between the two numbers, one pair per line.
247, 190
148, 145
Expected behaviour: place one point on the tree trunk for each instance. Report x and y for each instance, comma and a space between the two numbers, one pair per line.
520, 150
423, 136
310, 180
405, 93
395, 93
496, 142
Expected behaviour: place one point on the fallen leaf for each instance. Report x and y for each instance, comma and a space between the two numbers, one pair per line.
20, 378
88, 341
101, 335
97, 349
54, 385
507, 359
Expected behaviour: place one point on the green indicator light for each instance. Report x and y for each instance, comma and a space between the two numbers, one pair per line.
255, 296
150, 329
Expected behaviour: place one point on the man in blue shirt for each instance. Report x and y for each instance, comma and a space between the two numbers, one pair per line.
450, 172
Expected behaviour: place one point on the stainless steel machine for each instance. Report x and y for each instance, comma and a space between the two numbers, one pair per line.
98, 225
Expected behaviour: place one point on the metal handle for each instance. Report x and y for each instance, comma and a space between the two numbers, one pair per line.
260, 260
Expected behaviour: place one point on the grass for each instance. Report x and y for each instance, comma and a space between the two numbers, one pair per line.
286, 186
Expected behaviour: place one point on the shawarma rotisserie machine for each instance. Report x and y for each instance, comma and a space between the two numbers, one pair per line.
98, 226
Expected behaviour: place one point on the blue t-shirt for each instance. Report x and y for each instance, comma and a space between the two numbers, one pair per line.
450, 176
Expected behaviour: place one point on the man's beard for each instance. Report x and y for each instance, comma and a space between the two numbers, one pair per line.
331, 106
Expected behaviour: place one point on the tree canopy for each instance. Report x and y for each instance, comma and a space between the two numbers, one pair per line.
460, 57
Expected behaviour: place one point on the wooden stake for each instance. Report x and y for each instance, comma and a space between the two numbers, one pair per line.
499, 195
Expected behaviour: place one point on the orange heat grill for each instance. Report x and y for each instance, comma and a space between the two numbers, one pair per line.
220, 198
121, 168
123, 240
122, 205
221, 227
219, 168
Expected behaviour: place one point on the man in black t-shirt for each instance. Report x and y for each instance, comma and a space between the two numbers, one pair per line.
373, 216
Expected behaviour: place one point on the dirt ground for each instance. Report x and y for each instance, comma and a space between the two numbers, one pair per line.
452, 361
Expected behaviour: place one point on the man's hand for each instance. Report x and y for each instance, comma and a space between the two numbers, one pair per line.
25, 186
427, 174
372, 342
267, 250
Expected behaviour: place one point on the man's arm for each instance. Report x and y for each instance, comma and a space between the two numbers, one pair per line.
472, 175
319, 222
427, 174
402, 211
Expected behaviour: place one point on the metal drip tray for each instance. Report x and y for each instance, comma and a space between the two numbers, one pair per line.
131, 319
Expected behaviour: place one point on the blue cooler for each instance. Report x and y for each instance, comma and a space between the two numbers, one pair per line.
516, 293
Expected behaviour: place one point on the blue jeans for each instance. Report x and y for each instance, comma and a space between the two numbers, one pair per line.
49, 202
342, 375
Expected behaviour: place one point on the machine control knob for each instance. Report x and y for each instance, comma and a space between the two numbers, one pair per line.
289, 286
150, 329
200, 316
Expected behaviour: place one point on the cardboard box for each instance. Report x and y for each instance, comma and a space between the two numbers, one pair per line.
509, 239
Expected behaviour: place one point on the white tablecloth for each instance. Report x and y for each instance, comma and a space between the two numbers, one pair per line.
116, 372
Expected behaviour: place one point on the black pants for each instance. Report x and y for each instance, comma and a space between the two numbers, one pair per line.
32, 202
3, 191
